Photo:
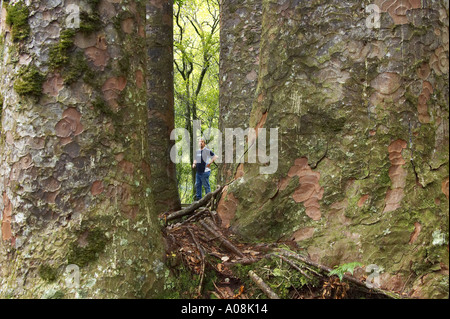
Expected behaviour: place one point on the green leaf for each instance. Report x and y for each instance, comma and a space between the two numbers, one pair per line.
341, 270
277, 272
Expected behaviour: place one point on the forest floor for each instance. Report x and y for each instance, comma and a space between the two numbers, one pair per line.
210, 262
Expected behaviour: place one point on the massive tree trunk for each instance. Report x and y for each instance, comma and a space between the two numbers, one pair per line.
78, 173
363, 126
240, 33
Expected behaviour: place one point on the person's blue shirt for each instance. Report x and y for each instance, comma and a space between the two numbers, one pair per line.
203, 157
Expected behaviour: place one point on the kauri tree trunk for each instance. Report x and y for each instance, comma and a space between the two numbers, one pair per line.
363, 118
77, 168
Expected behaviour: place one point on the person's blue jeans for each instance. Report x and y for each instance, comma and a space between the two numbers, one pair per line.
202, 179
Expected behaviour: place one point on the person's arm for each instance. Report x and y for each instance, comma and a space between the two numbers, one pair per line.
212, 160
195, 164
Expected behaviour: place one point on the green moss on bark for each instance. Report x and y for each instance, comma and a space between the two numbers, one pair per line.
90, 22
85, 253
17, 19
77, 67
48, 273
59, 55
29, 82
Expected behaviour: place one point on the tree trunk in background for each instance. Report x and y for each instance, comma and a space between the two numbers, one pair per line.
240, 35
77, 171
161, 111
363, 132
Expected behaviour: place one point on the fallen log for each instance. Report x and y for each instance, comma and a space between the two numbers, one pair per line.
192, 208
262, 285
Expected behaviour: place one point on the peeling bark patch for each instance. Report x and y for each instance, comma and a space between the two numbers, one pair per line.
98, 54
259, 125
239, 172
388, 88
398, 9
84, 41
97, 188
53, 85
6, 222
130, 212
422, 107
111, 90
283, 183
387, 83
26, 162
415, 233
445, 187
439, 61
128, 25
51, 184
126, 167
309, 191
363, 200
303, 234
423, 72
146, 169
70, 124
227, 208
139, 79
397, 174
72, 149
261, 122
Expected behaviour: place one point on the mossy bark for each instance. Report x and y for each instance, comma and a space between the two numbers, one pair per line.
363, 138
76, 185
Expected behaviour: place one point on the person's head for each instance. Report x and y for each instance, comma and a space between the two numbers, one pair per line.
202, 142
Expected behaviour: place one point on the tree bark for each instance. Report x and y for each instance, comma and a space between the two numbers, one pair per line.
79, 176
161, 112
240, 34
362, 113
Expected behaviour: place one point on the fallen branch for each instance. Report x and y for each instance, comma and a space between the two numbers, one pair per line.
293, 265
202, 254
194, 206
206, 224
193, 217
243, 261
262, 285
327, 270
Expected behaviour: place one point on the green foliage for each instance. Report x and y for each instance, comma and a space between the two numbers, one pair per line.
341, 270
29, 82
17, 18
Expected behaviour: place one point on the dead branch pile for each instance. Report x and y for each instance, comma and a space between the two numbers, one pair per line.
196, 240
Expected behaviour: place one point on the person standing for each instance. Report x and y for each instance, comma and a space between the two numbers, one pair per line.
202, 162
